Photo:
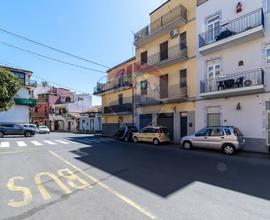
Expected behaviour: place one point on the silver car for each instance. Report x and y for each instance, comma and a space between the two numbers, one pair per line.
228, 139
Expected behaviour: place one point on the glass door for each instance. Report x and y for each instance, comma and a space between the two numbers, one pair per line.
213, 72
213, 28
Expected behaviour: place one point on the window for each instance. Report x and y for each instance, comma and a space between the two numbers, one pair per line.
144, 57
36, 109
267, 5
202, 133
214, 71
144, 87
268, 55
213, 28
120, 99
213, 119
129, 69
148, 130
183, 78
21, 77
227, 131
183, 41
216, 132
164, 51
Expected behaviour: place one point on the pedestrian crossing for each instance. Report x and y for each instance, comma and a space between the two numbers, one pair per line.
7, 144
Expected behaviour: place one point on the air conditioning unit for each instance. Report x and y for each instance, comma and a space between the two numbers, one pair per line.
174, 33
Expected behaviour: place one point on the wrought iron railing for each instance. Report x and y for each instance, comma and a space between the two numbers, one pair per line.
127, 107
173, 53
236, 26
125, 81
178, 12
231, 81
159, 96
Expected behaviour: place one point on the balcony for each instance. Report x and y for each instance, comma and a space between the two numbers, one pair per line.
175, 55
31, 83
174, 93
242, 29
39, 115
243, 83
164, 24
27, 102
121, 83
116, 109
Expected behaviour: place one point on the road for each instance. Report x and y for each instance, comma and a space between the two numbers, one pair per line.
76, 176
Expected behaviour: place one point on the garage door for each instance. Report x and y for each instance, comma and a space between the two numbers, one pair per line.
145, 120
166, 120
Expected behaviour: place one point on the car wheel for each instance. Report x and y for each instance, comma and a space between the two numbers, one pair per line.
135, 139
126, 139
28, 134
187, 145
228, 149
1, 134
115, 137
156, 141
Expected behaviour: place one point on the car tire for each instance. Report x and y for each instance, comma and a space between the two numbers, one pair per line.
28, 134
228, 149
156, 141
126, 139
187, 145
1, 134
135, 140
115, 137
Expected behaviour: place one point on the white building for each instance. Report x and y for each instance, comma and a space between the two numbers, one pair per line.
20, 112
91, 121
233, 63
66, 115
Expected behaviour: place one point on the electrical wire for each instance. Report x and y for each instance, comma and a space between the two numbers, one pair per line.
50, 58
53, 48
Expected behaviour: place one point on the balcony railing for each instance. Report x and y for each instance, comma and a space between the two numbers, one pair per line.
234, 27
178, 12
27, 102
125, 81
39, 114
127, 107
161, 96
174, 52
227, 82
31, 83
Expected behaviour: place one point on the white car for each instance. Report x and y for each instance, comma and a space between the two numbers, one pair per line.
43, 130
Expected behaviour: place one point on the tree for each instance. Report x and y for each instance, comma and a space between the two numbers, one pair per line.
9, 87
45, 84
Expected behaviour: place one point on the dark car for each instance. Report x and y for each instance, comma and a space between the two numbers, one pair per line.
15, 129
125, 133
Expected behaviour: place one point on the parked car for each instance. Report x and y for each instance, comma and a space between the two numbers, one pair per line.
31, 126
227, 138
125, 133
153, 134
43, 129
15, 129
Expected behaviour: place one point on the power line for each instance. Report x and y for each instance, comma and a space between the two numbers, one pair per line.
53, 48
50, 58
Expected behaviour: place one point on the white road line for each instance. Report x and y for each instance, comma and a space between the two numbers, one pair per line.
61, 142
50, 142
36, 143
4, 144
21, 144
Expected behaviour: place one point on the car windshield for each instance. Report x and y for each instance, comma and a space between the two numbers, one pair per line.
42, 127
133, 128
163, 130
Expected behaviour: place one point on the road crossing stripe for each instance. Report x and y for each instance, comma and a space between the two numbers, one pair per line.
61, 142
36, 143
21, 144
4, 144
50, 142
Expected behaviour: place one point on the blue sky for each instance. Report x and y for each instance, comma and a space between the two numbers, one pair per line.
97, 30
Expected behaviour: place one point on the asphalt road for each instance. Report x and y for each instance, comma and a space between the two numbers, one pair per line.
72, 176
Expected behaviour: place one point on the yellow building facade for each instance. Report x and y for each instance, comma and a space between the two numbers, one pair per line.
117, 97
165, 81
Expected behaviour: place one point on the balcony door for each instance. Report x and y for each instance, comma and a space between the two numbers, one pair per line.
164, 51
213, 28
163, 86
213, 72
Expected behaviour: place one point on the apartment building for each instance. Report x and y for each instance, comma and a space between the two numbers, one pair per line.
165, 89
20, 112
233, 63
117, 94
